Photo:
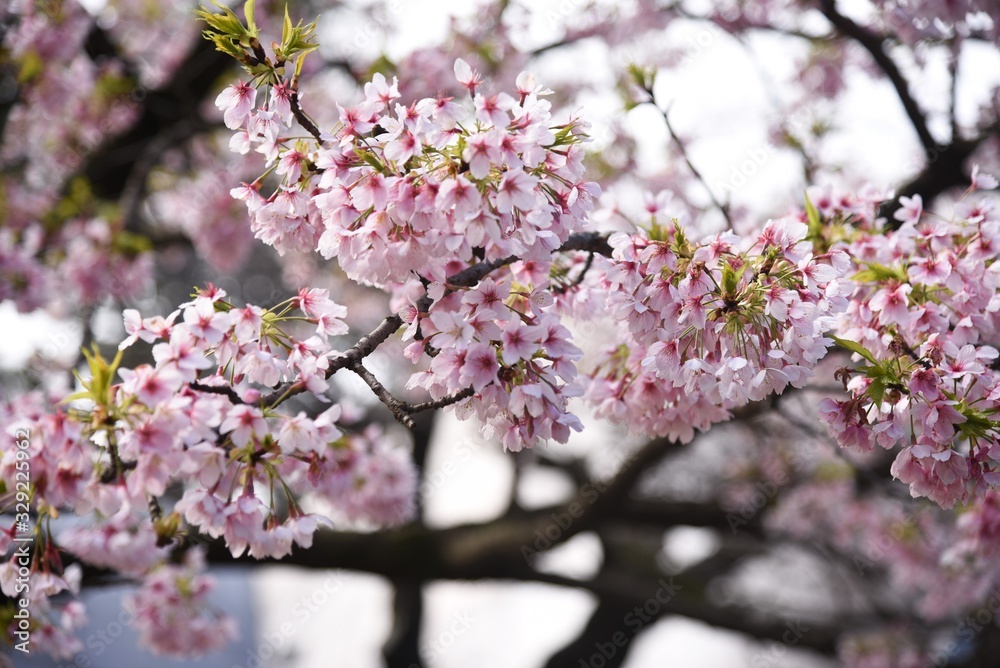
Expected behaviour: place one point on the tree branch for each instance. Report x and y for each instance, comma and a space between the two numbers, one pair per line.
586, 241
383, 394
161, 111
874, 45
304, 120
723, 208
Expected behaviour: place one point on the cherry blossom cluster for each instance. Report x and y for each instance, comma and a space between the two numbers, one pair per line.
196, 427
410, 195
709, 326
81, 263
172, 613
922, 316
183, 420
397, 190
946, 568
57, 250
500, 339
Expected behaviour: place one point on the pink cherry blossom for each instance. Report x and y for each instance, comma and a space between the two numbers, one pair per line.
236, 102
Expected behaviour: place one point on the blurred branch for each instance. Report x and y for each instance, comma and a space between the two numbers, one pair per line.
99, 46
944, 170
679, 143
160, 112
402, 647
605, 626
422, 553
874, 44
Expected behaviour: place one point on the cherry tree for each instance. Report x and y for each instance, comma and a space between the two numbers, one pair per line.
450, 229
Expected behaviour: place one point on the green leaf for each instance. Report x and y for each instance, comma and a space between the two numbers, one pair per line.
877, 390
731, 279
286, 29
644, 77
131, 244
815, 222
226, 23
248, 11
371, 159
878, 273
32, 66
855, 347
977, 423
295, 39
102, 375
227, 31
224, 43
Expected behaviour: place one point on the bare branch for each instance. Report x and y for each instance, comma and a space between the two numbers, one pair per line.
874, 45
679, 143
382, 393
458, 397
304, 120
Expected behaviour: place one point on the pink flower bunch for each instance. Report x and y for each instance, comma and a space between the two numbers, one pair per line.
501, 339
922, 313
199, 415
707, 327
172, 613
123, 543
400, 189
82, 263
218, 429
978, 533
248, 345
366, 480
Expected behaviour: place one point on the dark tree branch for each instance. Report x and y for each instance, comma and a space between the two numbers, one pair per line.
945, 169
161, 111
99, 46
605, 626
393, 404
458, 397
360, 350
304, 120
874, 44
422, 553
402, 647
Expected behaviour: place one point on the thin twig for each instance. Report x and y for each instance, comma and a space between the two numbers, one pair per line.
304, 120
724, 208
439, 403
579, 279
224, 390
382, 393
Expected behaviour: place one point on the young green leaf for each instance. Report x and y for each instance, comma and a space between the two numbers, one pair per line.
855, 347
